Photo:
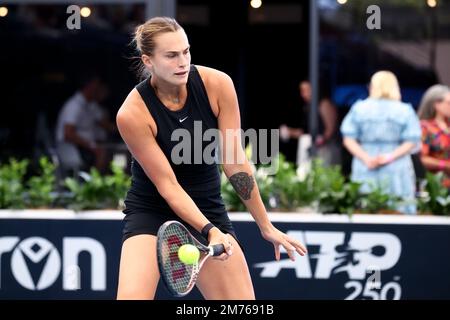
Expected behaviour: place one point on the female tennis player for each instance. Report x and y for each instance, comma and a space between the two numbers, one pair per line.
178, 95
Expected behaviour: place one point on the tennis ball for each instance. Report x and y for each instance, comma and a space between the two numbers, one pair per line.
188, 254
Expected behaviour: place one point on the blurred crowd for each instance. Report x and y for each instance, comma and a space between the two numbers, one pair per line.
390, 143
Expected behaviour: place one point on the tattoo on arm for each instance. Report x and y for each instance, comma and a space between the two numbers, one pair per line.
243, 183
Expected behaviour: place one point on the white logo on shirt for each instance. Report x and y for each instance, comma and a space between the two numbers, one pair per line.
181, 120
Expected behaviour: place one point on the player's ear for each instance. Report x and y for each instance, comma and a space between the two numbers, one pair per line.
146, 61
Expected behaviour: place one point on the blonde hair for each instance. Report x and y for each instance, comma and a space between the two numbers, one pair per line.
384, 85
144, 37
434, 94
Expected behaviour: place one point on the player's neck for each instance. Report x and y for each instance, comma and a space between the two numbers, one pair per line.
172, 96
168, 92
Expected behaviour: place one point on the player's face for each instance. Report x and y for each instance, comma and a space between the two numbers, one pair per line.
171, 59
443, 107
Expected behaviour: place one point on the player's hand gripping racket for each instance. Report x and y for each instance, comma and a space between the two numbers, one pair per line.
178, 277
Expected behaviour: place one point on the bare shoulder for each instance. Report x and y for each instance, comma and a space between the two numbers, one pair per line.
133, 104
134, 111
213, 78
220, 89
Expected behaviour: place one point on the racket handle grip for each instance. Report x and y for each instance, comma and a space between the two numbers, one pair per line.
217, 249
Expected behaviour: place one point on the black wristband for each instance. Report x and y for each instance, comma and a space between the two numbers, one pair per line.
205, 230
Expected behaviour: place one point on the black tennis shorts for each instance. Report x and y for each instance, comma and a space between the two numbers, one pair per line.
145, 216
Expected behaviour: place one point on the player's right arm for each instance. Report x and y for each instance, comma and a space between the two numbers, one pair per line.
138, 130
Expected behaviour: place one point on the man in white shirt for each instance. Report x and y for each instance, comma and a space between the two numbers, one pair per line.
81, 125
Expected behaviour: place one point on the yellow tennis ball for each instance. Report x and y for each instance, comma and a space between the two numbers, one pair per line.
188, 254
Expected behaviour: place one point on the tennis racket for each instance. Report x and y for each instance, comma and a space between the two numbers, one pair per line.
180, 278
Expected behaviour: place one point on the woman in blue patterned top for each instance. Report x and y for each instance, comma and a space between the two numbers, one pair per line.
381, 132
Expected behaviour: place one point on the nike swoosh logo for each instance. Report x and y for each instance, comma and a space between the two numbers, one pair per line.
181, 120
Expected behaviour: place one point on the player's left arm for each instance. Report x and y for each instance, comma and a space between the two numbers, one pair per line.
237, 168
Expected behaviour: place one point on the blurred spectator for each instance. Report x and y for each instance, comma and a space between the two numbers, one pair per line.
434, 114
82, 126
327, 140
381, 132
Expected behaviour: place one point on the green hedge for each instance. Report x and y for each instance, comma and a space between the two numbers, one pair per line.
90, 191
327, 190
322, 189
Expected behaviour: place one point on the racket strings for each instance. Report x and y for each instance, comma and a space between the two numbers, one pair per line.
177, 274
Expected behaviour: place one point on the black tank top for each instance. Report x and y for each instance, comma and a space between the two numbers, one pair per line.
199, 179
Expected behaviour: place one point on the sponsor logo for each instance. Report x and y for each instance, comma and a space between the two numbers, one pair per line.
36, 264
354, 254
